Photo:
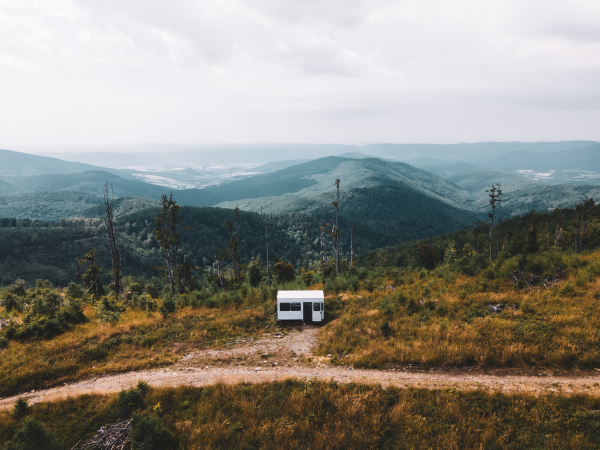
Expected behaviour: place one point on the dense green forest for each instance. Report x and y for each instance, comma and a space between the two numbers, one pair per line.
522, 235
49, 250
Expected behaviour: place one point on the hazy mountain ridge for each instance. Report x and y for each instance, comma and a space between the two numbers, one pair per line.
24, 164
316, 177
307, 186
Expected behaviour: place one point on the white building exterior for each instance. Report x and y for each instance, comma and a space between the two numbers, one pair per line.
305, 306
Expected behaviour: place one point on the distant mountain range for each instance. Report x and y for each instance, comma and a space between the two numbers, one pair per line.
175, 155
385, 201
455, 187
24, 164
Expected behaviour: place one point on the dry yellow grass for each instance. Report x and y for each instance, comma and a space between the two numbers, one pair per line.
320, 415
137, 341
443, 320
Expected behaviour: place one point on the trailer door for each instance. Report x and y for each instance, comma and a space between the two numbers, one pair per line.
316, 312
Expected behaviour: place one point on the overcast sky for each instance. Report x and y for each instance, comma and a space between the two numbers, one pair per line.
104, 72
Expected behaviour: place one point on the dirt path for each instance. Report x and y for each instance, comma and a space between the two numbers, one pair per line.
290, 356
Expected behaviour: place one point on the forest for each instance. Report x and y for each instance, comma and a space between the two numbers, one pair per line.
49, 250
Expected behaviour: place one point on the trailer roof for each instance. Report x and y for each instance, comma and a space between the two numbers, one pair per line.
300, 294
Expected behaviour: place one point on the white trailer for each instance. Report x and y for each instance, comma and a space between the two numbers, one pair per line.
304, 306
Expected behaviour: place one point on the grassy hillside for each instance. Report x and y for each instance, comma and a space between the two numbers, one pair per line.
318, 415
435, 303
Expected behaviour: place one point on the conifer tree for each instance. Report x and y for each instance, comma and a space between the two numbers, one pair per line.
494, 192
91, 279
166, 232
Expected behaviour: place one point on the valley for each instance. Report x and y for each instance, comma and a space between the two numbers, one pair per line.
422, 312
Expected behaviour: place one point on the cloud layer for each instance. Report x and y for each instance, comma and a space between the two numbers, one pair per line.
101, 72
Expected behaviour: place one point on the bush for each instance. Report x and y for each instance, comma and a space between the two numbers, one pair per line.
21, 408
10, 302
167, 307
74, 290
31, 436
132, 400
108, 311
148, 432
385, 329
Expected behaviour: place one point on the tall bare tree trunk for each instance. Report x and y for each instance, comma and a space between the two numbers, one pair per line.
306, 250
576, 233
351, 245
336, 231
323, 254
267, 245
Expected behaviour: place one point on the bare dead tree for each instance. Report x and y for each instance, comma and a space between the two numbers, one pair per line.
306, 249
323, 253
351, 245
267, 246
111, 233
335, 231
584, 210
219, 256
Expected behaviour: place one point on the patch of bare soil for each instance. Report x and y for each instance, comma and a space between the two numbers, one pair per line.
289, 355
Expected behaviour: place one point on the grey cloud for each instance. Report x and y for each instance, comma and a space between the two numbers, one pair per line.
112, 72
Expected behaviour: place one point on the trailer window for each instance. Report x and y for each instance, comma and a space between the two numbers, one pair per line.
316, 307
284, 307
296, 307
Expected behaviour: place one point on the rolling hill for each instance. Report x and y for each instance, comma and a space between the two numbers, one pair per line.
580, 166
33, 197
24, 164
314, 178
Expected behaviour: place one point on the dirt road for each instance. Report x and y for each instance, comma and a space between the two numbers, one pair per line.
290, 356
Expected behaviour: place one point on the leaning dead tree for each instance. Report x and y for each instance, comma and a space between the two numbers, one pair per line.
111, 233
111, 437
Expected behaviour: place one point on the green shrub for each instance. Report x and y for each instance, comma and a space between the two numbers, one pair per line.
21, 408
167, 307
130, 401
74, 290
385, 329
527, 308
567, 290
149, 432
32, 436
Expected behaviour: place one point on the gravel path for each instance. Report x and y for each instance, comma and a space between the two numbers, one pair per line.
277, 358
